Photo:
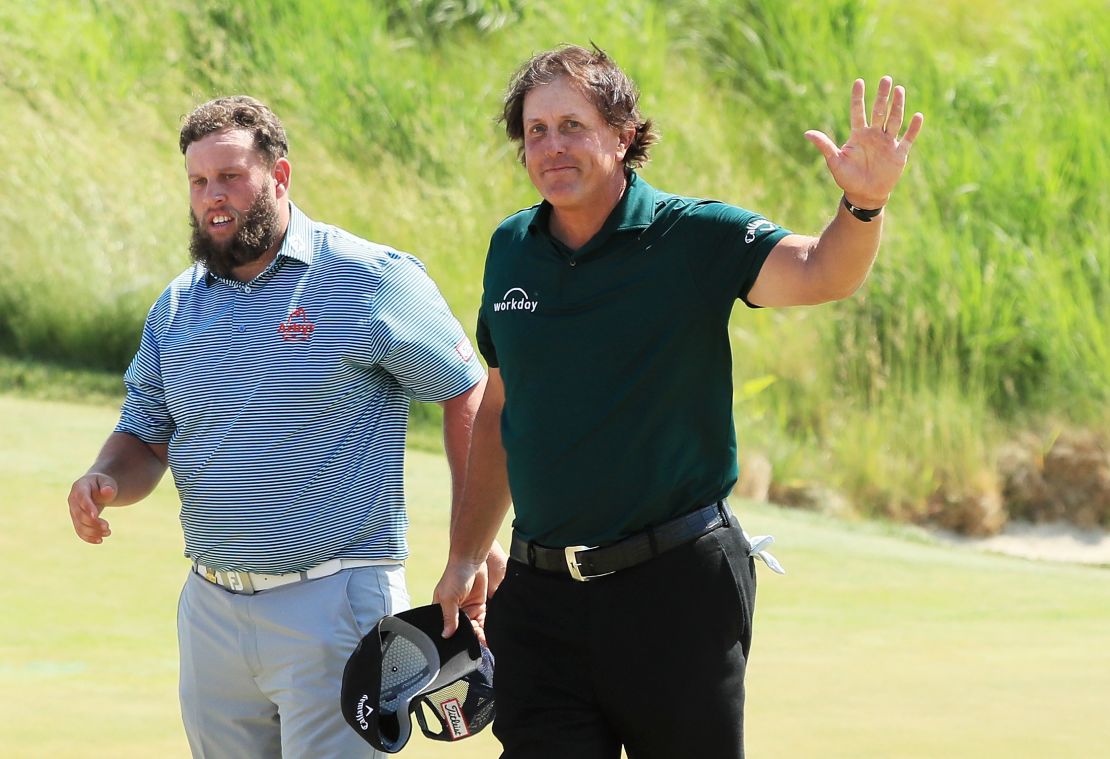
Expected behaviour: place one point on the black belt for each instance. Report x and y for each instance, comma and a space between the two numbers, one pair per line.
588, 562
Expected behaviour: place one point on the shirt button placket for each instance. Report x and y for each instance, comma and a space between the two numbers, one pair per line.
241, 310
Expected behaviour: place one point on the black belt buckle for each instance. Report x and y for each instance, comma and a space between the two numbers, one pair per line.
575, 568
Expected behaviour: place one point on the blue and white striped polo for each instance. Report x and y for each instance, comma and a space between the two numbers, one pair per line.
284, 400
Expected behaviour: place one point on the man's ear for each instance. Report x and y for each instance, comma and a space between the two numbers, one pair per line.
282, 174
625, 139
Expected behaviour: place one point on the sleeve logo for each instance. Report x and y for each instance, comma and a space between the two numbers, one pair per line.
464, 349
755, 226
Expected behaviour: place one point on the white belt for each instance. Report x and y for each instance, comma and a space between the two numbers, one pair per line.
253, 582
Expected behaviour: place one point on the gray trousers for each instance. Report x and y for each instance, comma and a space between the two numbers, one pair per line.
261, 674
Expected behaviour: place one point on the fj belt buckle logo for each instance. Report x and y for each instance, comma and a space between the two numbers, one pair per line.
575, 568
237, 582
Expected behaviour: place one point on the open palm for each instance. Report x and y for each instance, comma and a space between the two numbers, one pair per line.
870, 163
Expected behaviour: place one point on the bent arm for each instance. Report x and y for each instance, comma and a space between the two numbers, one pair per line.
137, 467
125, 471
805, 271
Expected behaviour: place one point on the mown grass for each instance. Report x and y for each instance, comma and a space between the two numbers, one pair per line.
985, 314
878, 643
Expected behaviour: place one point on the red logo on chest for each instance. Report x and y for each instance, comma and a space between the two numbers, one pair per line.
297, 328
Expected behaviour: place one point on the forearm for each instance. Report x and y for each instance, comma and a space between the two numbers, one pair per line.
137, 467
458, 427
842, 256
485, 499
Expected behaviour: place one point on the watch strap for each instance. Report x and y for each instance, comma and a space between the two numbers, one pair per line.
863, 214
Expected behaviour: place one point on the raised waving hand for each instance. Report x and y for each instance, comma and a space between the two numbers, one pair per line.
870, 163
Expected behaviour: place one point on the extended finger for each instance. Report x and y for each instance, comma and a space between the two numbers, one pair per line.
858, 120
897, 112
882, 103
912, 131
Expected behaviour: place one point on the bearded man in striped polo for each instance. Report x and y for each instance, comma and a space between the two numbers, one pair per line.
273, 378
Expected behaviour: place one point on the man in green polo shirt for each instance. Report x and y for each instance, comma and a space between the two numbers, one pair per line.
624, 619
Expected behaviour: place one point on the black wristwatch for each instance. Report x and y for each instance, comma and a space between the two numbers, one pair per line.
863, 214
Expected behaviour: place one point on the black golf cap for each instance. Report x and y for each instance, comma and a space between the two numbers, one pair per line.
404, 665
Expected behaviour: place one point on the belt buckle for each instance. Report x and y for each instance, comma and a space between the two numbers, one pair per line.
575, 568
237, 582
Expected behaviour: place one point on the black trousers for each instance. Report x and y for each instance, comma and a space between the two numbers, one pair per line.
651, 658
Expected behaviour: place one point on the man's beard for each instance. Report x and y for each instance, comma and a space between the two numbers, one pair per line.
256, 235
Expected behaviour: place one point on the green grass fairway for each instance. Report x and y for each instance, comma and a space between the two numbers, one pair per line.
877, 644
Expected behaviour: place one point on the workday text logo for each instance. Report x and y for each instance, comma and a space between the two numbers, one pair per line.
515, 299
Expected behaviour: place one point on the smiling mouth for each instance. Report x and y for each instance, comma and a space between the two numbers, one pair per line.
220, 221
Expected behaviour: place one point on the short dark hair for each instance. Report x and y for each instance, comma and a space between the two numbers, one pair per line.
599, 78
237, 112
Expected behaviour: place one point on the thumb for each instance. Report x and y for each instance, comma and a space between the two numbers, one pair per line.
105, 491
823, 143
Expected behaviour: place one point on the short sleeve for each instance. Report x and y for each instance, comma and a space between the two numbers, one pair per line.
485, 342
734, 245
144, 412
427, 350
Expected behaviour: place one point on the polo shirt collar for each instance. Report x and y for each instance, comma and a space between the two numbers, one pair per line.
634, 211
298, 237
637, 208
297, 244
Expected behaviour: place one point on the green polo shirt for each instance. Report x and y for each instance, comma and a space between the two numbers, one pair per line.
617, 363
